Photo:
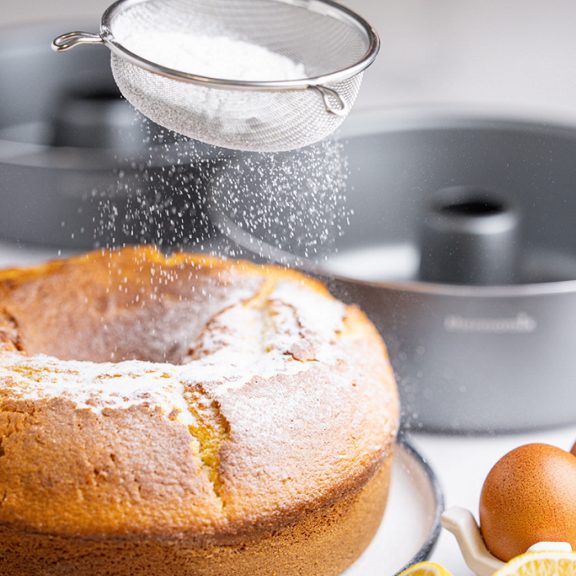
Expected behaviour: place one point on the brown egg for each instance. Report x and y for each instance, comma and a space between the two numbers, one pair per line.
528, 497
573, 451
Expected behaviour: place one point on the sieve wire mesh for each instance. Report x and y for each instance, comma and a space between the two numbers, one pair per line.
263, 121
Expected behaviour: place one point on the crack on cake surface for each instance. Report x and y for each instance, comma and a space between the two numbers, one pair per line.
273, 339
9, 332
210, 430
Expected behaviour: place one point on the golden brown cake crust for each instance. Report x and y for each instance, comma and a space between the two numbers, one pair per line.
188, 405
325, 543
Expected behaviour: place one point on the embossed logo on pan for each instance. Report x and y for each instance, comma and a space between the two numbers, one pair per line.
523, 323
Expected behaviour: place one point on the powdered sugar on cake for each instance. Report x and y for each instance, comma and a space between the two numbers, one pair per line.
95, 386
315, 313
284, 333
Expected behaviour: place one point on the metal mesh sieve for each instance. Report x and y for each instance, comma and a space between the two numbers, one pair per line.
334, 44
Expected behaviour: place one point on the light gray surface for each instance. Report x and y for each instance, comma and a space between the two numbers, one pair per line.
517, 54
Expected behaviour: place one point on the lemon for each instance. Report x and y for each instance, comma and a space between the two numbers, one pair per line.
426, 569
545, 563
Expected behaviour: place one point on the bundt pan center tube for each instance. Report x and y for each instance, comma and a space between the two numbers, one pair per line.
189, 416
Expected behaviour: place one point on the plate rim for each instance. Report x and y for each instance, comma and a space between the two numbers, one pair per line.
428, 546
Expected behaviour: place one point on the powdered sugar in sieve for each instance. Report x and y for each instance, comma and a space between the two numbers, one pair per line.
185, 108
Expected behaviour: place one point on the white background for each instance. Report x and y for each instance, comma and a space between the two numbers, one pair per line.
513, 55
517, 54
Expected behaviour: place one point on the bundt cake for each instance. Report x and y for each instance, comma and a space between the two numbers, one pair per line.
187, 415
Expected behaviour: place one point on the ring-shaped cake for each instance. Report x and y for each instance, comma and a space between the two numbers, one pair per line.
187, 415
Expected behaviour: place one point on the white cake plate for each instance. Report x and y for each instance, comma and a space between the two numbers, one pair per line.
411, 524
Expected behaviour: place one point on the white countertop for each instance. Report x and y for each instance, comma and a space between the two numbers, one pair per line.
462, 463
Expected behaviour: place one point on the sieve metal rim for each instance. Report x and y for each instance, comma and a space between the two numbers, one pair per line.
328, 8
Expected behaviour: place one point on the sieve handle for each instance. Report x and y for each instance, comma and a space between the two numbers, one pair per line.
341, 109
73, 39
